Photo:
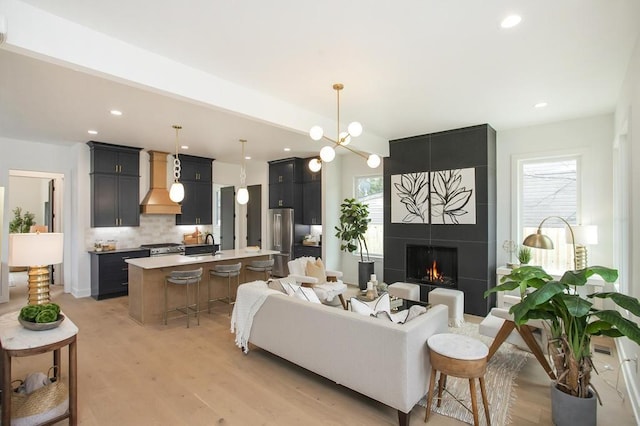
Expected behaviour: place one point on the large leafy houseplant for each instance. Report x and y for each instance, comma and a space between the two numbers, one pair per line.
572, 319
354, 222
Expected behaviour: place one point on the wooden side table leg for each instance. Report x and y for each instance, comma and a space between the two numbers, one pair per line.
432, 384
485, 402
73, 383
6, 388
56, 362
474, 402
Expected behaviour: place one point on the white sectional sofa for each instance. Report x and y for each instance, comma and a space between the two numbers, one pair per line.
380, 359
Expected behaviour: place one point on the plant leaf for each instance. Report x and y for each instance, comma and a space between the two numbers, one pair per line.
625, 326
629, 303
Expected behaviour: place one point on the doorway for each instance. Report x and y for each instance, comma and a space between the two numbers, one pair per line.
254, 216
227, 218
40, 195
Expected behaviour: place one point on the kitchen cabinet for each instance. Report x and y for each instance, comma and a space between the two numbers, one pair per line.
197, 206
300, 250
115, 185
288, 170
110, 272
312, 203
285, 185
285, 195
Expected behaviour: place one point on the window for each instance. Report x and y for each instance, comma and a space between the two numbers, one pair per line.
549, 187
369, 191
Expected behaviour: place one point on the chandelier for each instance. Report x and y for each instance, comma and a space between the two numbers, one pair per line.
242, 197
176, 192
328, 153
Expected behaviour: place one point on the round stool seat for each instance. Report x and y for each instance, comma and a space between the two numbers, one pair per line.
458, 346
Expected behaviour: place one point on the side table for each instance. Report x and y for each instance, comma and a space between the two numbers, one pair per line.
17, 341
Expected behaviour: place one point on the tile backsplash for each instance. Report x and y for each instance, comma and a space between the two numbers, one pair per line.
153, 229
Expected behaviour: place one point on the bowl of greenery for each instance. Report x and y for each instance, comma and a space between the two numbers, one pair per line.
40, 317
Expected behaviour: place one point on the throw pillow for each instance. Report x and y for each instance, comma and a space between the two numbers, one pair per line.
316, 270
381, 304
276, 285
306, 293
403, 317
289, 286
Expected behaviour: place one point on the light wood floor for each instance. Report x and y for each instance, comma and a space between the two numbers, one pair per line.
171, 375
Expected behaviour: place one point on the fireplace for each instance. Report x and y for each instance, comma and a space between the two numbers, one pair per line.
431, 265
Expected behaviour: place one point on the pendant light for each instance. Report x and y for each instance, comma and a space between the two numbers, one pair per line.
242, 197
176, 192
328, 153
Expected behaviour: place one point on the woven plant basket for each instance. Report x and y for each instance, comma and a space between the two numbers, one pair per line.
39, 406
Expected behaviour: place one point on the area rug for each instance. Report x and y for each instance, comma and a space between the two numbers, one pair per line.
499, 382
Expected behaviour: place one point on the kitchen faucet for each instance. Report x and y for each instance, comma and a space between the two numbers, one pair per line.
206, 239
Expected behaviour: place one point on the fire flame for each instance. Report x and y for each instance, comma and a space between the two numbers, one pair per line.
433, 273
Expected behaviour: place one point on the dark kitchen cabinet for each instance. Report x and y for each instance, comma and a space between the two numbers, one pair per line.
300, 250
312, 203
285, 185
110, 272
288, 170
285, 195
115, 185
197, 205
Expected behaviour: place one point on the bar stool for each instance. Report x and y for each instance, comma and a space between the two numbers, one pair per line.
224, 271
265, 266
186, 279
458, 356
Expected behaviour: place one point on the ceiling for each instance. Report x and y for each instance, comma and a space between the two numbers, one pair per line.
409, 68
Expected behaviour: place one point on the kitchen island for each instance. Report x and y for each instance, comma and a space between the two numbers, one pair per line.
146, 280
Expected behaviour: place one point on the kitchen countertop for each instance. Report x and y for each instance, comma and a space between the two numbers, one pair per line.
120, 250
178, 259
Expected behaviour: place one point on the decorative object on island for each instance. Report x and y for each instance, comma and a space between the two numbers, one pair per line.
328, 153
41, 250
176, 192
354, 222
524, 255
242, 197
572, 321
510, 247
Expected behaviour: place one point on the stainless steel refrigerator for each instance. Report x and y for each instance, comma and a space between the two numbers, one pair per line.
282, 229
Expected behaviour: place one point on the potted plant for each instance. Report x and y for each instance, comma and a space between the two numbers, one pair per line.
354, 222
20, 224
524, 255
572, 321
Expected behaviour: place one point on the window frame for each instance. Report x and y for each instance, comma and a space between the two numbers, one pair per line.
354, 191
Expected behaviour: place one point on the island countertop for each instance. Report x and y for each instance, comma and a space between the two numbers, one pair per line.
181, 260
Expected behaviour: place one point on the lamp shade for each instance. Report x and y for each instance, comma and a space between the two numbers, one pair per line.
585, 234
243, 196
176, 192
35, 249
538, 240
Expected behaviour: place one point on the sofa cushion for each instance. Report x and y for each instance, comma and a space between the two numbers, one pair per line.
402, 317
306, 293
316, 270
289, 286
381, 304
297, 266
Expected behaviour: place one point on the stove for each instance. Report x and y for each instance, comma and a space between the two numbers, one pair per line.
163, 249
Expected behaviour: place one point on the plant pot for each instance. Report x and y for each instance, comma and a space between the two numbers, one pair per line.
571, 410
365, 269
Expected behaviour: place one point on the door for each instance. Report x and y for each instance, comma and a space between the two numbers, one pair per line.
254, 216
227, 218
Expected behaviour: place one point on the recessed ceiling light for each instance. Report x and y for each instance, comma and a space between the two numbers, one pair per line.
287, 149
540, 105
247, 158
184, 146
510, 21
92, 132
115, 112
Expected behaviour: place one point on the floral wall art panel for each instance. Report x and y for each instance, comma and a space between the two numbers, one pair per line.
410, 198
453, 199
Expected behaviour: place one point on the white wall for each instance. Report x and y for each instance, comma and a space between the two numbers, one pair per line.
31, 197
590, 138
627, 129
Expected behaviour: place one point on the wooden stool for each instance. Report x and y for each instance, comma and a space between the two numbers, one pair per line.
458, 356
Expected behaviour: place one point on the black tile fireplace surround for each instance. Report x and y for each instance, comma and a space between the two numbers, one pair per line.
474, 244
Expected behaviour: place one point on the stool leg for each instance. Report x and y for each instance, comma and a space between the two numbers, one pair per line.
186, 308
485, 402
166, 304
474, 403
442, 383
198, 301
432, 383
209, 294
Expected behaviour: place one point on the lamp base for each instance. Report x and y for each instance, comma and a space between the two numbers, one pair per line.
581, 256
38, 285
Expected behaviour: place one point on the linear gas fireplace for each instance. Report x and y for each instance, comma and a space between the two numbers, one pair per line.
436, 266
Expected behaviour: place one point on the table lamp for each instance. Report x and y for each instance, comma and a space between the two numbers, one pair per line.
584, 234
37, 251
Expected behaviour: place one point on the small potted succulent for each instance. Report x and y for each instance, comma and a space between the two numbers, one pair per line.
524, 255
